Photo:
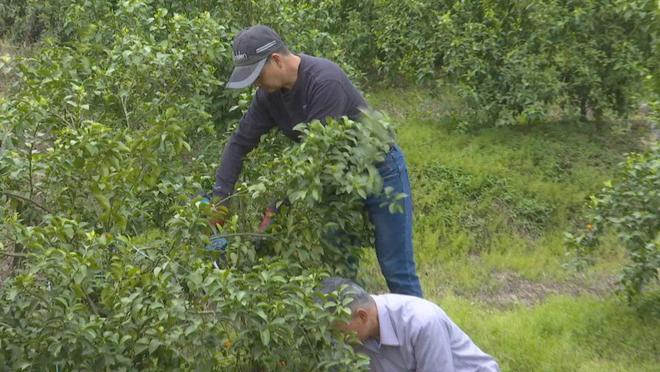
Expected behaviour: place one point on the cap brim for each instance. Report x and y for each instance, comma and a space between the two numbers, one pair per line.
244, 76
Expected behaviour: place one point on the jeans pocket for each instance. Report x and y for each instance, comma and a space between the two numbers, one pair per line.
389, 168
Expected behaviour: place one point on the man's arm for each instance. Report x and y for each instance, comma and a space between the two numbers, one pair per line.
252, 126
433, 347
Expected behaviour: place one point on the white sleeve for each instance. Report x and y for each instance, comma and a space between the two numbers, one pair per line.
433, 348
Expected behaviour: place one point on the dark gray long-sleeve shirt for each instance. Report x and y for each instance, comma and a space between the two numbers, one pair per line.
321, 90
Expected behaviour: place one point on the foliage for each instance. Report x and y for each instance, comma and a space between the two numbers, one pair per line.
117, 104
106, 139
629, 206
494, 55
325, 181
153, 299
97, 300
27, 21
510, 62
408, 42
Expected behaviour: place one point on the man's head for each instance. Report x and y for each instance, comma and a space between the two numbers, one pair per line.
364, 313
261, 58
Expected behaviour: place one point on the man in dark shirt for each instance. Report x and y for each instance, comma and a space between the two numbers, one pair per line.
297, 88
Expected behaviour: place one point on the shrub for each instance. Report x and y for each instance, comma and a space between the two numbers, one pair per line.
105, 141
629, 206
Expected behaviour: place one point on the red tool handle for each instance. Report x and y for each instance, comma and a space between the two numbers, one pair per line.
267, 219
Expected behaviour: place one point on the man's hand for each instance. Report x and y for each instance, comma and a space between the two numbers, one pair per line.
269, 213
217, 215
267, 219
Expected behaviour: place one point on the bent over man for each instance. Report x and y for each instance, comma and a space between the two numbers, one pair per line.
406, 333
298, 88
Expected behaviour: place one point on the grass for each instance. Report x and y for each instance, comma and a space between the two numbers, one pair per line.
490, 211
563, 333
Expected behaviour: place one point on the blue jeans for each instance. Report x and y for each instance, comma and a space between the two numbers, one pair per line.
394, 246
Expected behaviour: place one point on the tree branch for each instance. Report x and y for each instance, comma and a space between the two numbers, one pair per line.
255, 235
16, 196
122, 99
8, 254
92, 305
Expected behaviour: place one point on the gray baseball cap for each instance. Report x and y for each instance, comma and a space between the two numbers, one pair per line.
252, 46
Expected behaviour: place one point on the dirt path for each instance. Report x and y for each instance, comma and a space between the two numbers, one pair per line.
511, 289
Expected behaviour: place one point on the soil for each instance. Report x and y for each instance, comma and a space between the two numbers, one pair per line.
511, 289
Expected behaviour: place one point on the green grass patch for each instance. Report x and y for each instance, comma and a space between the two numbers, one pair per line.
562, 334
504, 194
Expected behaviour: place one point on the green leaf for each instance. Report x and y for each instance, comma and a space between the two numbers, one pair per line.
68, 231
102, 200
265, 337
154, 345
262, 314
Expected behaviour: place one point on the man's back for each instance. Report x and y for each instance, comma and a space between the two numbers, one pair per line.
322, 90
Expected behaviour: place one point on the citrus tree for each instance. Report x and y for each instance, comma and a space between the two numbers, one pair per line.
106, 140
628, 206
